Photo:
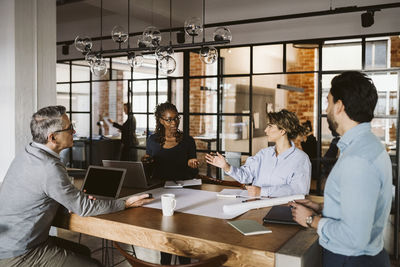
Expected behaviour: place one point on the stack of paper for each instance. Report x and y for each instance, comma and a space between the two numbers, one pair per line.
182, 183
233, 193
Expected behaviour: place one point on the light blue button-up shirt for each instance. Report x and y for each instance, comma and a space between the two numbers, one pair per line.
357, 196
289, 173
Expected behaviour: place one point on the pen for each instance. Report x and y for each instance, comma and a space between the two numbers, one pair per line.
251, 199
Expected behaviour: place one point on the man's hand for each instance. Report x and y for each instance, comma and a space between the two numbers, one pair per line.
218, 161
137, 201
300, 213
309, 204
89, 196
110, 121
253, 191
193, 163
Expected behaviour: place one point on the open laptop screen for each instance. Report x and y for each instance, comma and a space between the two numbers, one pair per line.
103, 182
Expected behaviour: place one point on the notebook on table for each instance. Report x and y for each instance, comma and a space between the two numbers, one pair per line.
280, 214
135, 174
102, 182
249, 227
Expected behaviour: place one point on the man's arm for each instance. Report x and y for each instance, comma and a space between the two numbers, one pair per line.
359, 190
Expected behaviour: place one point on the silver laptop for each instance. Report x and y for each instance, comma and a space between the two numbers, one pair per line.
135, 174
103, 183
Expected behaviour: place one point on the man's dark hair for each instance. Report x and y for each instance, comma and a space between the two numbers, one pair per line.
358, 94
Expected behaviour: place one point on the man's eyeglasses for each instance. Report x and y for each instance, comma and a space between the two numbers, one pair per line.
70, 128
176, 119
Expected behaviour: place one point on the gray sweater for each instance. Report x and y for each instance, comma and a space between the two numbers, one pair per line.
35, 185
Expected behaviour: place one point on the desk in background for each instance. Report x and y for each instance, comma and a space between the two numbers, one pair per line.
200, 237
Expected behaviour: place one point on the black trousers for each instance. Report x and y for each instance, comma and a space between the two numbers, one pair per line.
166, 259
331, 259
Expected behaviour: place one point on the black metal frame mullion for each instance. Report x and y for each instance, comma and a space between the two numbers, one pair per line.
397, 183
319, 122
70, 108
90, 120
186, 89
251, 102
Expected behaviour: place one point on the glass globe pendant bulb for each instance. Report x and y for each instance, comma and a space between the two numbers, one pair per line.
135, 61
154, 34
90, 58
163, 51
210, 57
222, 34
144, 41
99, 67
119, 35
83, 44
193, 26
167, 65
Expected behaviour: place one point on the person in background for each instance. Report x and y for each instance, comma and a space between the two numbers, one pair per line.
171, 153
35, 186
331, 155
309, 146
128, 136
276, 171
358, 191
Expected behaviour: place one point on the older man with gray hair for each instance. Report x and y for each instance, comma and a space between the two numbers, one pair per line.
34, 187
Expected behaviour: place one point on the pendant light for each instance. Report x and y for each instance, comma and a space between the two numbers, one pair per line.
207, 54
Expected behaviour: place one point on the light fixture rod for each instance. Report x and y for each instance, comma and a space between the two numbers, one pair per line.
101, 26
170, 22
188, 45
204, 20
129, 9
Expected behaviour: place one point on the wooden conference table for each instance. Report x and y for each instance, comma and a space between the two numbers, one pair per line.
197, 236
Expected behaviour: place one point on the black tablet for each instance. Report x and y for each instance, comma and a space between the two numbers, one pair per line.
280, 214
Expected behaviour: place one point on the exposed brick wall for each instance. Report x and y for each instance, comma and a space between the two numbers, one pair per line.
395, 51
302, 103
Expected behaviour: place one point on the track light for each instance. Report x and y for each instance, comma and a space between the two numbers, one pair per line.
367, 18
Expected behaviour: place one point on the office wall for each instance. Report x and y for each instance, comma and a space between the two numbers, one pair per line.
27, 72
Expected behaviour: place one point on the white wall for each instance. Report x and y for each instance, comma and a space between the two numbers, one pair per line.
27, 72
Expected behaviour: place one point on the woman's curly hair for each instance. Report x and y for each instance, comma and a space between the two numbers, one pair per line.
160, 129
287, 121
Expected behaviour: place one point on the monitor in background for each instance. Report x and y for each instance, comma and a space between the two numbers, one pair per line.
104, 183
135, 174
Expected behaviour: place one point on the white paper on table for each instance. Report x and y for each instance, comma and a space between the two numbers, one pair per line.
233, 193
197, 202
239, 208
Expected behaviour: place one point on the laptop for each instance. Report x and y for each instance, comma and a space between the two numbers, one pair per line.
103, 183
135, 174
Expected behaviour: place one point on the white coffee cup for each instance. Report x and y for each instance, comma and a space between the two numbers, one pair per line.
168, 204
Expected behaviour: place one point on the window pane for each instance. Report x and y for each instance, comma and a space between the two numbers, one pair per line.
177, 93
385, 130
387, 85
80, 96
141, 127
376, 53
62, 72
198, 68
301, 59
152, 96
203, 128
162, 91
63, 95
148, 68
235, 60
326, 87
82, 125
139, 89
268, 58
236, 95
342, 55
235, 133
203, 95
80, 72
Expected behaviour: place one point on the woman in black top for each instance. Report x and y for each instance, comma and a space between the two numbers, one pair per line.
172, 153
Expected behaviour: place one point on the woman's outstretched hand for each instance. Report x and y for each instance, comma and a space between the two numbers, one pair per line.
218, 161
193, 163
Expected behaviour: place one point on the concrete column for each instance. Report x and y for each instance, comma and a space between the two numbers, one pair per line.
27, 70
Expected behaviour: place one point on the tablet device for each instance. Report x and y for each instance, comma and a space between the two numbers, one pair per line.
280, 214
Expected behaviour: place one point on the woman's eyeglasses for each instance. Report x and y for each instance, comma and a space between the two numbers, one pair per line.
70, 128
169, 120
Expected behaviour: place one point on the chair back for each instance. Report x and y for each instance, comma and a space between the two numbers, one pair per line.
216, 261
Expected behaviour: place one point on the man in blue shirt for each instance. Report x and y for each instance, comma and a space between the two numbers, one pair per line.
357, 196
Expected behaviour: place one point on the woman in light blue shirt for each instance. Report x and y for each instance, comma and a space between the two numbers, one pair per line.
275, 171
